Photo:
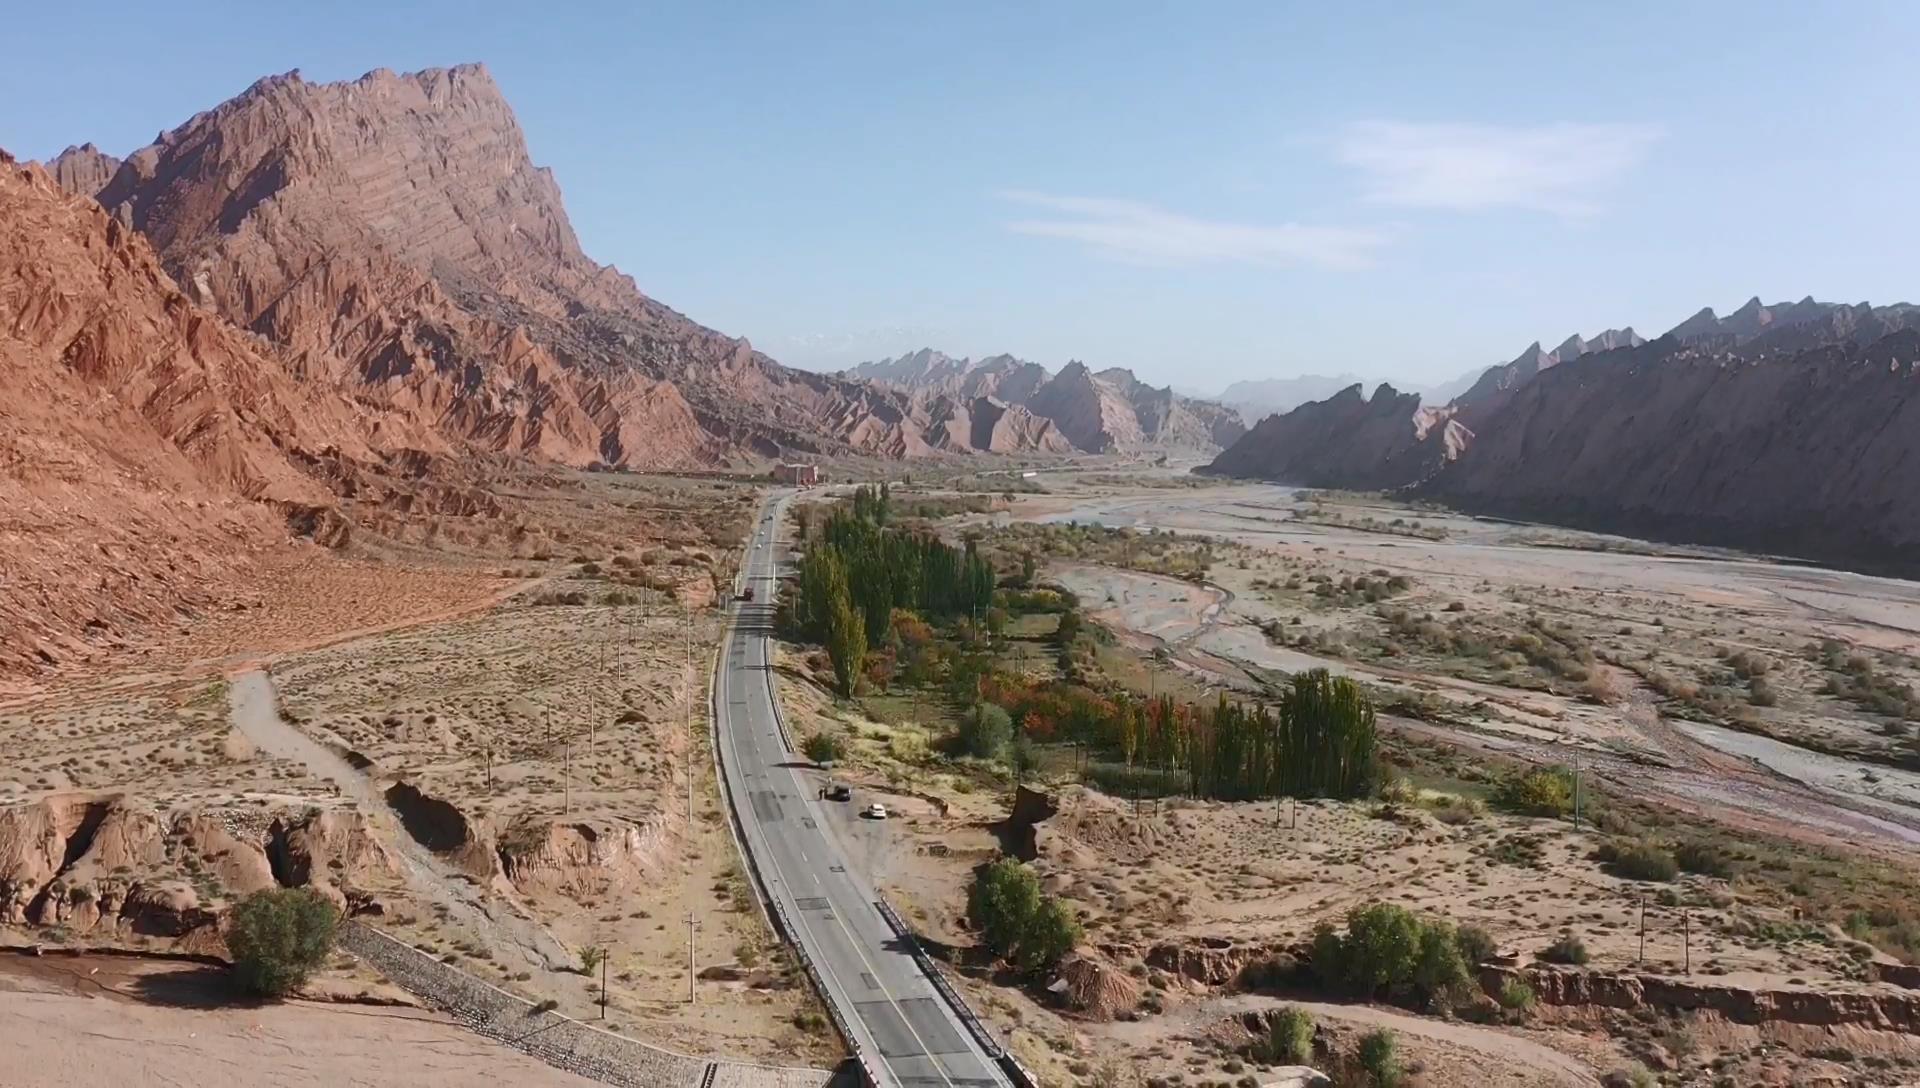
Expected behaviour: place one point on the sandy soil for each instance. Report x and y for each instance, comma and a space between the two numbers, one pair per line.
103, 1020
547, 680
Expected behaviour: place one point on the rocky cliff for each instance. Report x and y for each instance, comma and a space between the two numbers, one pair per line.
1803, 452
394, 238
83, 170
1110, 411
1348, 440
146, 445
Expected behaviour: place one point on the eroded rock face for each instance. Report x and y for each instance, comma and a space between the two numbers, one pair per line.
580, 859
152, 440
1879, 1011
1802, 452
83, 170
1348, 441
108, 865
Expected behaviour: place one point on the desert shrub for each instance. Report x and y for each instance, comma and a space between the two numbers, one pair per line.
1389, 951
1568, 949
984, 731
822, 748
279, 937
1289, 1038
1703, 858
1545, 791
1637, 860
1476, 944
1380, 1058
1515, 996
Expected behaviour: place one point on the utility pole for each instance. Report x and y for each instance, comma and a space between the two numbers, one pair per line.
605, 955
693, 925
1686, 939
568, 776
1643, 930
1576, 791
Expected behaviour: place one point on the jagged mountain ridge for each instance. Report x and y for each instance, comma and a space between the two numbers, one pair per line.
394, 238
1779, 427
1104, 412
1805, 452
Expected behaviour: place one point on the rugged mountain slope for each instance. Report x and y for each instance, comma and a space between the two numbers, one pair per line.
83, 170
1256, 400
1347, 440
145, 444
1401, 441
1097, 413
1809, 453
394, 237
1498, 383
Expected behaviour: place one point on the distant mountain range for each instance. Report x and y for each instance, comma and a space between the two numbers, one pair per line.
1792, 427
1107, 411
1257, 399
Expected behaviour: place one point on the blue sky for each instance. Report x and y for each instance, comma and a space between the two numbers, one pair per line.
1202, 192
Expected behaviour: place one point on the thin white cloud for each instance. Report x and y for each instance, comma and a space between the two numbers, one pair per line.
1140, 233
1562, 169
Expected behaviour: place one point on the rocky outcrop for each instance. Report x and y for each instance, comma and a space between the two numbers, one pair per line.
1348, 441
1091, 986
83, 170
147, 447
1111, 411
580, 859
1877, 1011
108, 865
1497, 384
987, 425
1217, 961
1803, 453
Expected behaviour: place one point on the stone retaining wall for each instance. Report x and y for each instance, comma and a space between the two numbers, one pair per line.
560, 1041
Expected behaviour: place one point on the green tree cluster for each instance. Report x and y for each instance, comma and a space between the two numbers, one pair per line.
1388, 952
1019, 922
1319, 740
876, 570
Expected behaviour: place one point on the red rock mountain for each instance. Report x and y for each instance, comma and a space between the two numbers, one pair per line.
1348, 440
394, 238
1809, 452
1111, 411
1792, 428
146, 445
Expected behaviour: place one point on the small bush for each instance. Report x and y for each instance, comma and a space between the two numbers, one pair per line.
985, 730
1476, 944
1638, 861
1540, 792
1569, 949
1515, 996
1380, 1057
279, 937
1702, 858
1289, 1038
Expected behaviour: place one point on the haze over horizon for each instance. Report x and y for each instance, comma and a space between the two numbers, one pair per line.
1406, 196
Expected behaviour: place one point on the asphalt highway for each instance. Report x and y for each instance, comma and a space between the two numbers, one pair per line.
903, 1030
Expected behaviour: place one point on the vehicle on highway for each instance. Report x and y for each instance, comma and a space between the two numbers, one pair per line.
875, 811
745, 594
836, 791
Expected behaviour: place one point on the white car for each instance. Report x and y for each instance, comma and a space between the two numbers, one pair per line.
875, 811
